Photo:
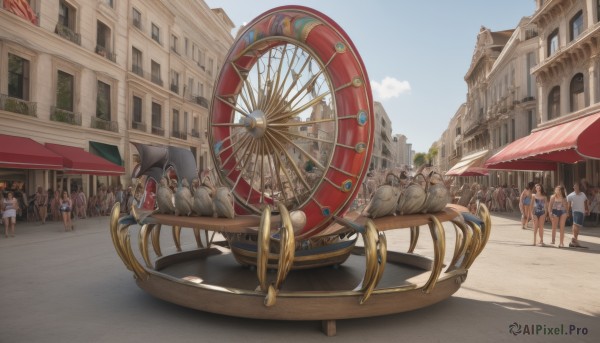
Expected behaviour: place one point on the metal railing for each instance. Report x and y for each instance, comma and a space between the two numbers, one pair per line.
136, 125
102, 51
195, 133
175, 88
64, 116
16, 105
137, 70
68, 33
102, 124
156, 79
137, 23
159, 131
179, 134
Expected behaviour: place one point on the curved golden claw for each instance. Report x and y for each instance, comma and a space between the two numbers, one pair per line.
114, 234
439, 249
484, 214
461, 254
198, 238
138, 270
287, 248
476, 244
156, 240
177, 236
262, 256
376, 257
414, 237
143, 243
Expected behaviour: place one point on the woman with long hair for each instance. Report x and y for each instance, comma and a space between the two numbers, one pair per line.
9, 207
558, 207
525, 205
538, 212
66, 206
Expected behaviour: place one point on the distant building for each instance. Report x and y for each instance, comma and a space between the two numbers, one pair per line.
382, 157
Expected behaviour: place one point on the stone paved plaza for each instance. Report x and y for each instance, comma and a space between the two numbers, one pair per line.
72, 287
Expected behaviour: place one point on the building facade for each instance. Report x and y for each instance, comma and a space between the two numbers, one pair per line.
382, 157
110, 73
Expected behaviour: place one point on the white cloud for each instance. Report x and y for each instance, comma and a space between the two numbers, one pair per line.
389, 87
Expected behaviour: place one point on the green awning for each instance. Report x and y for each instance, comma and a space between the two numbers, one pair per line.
106, 151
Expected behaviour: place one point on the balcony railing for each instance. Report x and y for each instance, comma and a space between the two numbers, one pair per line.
102, 124
64, 116
138, 70
102, 51
137, 23
175, 88
159, 131
195, 133
528, 98
156, 79
67, 33
15, 105
179, 134
136, 125
202, 101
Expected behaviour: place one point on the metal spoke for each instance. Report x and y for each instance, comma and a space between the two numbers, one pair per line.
294, 166
290, 181
302, 150
233, 106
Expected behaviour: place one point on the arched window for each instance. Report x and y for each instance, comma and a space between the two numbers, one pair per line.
577, 93
554, 103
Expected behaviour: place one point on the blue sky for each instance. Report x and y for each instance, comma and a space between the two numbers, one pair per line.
422, 49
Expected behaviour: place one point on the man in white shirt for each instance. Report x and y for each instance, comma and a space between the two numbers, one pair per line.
578, 203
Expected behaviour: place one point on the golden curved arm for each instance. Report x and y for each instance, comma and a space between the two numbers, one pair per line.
288, 246
461, 254
439, 249
484, 214
114, 234
156, 240
376, 257
476, 244
143, 243
198, 238
177, 237
414, 237
262, 256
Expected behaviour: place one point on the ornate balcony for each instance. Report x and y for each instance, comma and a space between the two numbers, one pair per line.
102, 51
18, 106
102, 124
67, 33
64, 116
159, 131
179, 134
138, 126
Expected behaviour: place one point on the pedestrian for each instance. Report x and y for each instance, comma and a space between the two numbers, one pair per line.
81, 204
558, 217
578, 207
9, 207
66, 207
525, 205
41, 203
539, 210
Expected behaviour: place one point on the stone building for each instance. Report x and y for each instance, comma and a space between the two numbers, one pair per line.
99, 75
382, 157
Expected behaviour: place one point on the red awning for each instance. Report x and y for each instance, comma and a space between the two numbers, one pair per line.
25, 153
470, 165
569, 142
79, 161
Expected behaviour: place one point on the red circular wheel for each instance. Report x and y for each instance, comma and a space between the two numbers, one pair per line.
292, 116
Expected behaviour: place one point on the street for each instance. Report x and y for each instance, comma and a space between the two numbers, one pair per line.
72, 287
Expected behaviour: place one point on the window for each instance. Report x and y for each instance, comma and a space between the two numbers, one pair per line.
174, 43
155, 33
175, 128
530, 64
190, 86
512, 130
64, 91
109, 3
576, 25
103, 101
577, 93
156, 115
185, 122
136, 62
174, 81
66, 15
196, 126
137, 18
530, 121
553, 43
156, 73
137, 109
186, 46
210, 66
18, 77
554, 103
103, 36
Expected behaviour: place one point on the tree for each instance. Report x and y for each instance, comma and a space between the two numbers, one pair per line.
433, 152
420, 159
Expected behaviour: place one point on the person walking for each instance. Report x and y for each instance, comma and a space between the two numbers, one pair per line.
10, 205
66, 206
578, 207
41, 203
525, 205
558, 217
539, 210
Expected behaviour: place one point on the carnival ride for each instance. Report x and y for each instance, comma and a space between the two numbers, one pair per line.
291, 129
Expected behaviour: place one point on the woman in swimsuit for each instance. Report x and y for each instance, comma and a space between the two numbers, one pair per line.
525, 205
66, 206
558, 217
538, 211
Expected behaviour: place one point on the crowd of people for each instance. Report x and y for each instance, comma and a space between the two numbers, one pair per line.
64, 206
